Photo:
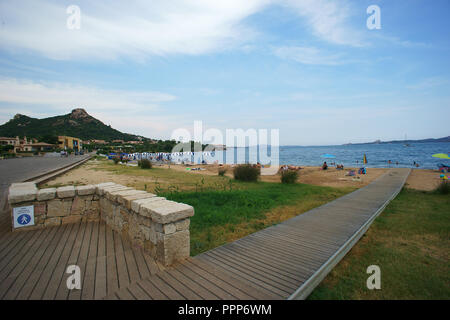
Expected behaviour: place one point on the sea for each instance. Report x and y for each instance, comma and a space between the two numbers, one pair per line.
377, 155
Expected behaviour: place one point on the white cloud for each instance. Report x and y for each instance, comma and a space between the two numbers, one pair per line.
429, 83
136, 29
308, 55
329, 20
61, 97
140, 29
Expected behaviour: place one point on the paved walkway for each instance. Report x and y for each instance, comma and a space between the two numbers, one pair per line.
284, 261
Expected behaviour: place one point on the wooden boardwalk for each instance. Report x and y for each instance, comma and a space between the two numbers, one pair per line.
284, 261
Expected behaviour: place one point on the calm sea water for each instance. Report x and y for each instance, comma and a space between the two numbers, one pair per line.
348, 155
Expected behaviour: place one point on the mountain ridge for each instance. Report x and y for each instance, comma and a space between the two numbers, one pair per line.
78, 123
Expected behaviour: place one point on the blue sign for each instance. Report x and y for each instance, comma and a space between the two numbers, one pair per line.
23, 216
23, 219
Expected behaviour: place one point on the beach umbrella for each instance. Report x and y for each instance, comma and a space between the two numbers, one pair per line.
328, 156
441, 156
365, 159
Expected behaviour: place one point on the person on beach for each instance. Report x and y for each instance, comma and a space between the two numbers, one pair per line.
324, 166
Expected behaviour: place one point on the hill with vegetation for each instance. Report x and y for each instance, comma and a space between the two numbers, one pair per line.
77, 124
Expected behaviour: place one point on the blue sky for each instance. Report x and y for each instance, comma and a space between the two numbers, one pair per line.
310, 68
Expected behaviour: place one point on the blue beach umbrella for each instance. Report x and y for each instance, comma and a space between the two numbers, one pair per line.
328, 156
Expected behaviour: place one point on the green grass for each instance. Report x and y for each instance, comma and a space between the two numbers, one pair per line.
224, 216
410, 242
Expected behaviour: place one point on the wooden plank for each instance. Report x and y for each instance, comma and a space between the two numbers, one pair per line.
257, 274
219, 288
124, 294
154, 292
49, 271
112, 278
61, 266
11, 240
151, 264
133, 270
9, 262
101, 271
81, 262
192, 284
63, 292
245, 275
141, 264
284, 255
291, 264
30, 265
178, 286
122, 270
138, 292
87, 290
246, 287
165, 288
268, 262
292, 245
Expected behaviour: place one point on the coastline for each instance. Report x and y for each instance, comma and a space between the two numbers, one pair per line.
92, 173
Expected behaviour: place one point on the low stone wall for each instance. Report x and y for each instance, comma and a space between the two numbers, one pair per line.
154, 223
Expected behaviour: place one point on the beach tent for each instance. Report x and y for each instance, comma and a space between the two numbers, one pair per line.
441, 156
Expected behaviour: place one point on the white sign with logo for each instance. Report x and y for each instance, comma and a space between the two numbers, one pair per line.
23, 216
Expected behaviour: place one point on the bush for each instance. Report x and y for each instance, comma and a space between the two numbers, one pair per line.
443, 187
289, 176
246, 172
145, 164
222, 172
116, 160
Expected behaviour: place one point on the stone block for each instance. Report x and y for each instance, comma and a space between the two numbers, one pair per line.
167, 211
40, 208
182, 224
71, 219
78, 206
58, 208
126, 199
100, 188
116, 187
46, 194
65, 192
26, 185
22, 194
113, 195
85, 190
173, 247
51, 222
136, 204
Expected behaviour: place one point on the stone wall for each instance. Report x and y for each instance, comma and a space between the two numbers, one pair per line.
154, 223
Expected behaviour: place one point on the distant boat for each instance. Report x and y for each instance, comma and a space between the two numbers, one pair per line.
406, 144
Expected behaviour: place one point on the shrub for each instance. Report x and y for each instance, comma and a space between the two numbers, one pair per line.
116, 160
222, 172
443, 187
246, 172
289, 176
145, 164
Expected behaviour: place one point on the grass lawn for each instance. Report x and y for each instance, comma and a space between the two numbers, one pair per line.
410, 242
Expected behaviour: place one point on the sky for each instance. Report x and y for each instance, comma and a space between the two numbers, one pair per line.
310, 68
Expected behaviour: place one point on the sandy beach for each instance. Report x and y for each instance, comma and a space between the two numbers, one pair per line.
91, 173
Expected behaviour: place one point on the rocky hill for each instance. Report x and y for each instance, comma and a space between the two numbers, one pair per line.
78, 124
